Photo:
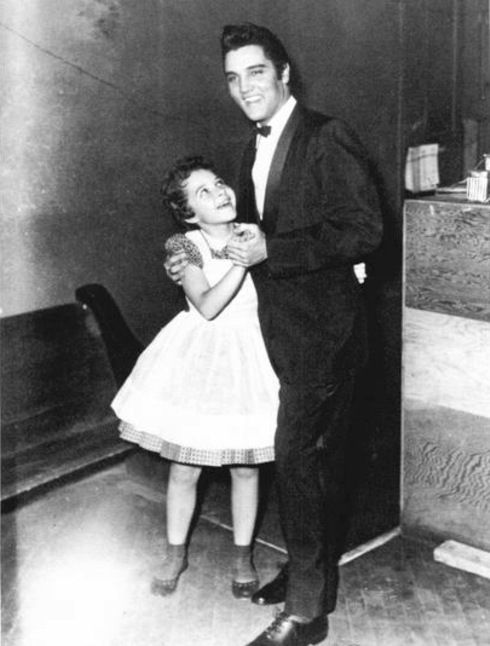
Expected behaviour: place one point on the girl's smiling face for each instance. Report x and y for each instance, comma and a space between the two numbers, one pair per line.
211, 200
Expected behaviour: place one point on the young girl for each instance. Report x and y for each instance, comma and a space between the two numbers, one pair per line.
203, 393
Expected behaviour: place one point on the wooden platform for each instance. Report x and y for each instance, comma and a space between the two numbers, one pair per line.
446, 371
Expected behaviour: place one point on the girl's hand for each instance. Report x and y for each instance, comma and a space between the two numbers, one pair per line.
248, 246
243, 231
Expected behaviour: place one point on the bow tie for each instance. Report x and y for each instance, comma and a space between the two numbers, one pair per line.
263, 131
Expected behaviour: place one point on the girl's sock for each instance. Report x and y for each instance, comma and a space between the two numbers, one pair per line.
174, 562
243, 567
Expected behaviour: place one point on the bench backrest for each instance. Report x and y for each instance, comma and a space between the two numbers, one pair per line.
55, 372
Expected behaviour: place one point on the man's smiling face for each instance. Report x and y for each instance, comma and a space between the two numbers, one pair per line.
253, 83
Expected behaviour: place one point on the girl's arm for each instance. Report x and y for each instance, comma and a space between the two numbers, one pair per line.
210, 301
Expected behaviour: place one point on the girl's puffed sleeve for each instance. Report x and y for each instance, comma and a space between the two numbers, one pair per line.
178, 243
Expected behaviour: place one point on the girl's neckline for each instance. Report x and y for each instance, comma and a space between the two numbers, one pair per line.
222, 252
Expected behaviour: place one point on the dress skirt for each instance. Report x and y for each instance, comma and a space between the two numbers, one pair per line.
203, 392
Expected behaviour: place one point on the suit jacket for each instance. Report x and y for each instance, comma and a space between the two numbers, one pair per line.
321, 216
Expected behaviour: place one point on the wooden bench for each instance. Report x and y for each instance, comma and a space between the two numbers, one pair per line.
59, 375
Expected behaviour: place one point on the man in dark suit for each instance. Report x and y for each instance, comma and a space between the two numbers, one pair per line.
309, 205
309, 209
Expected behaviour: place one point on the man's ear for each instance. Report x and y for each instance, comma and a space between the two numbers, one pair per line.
285, 74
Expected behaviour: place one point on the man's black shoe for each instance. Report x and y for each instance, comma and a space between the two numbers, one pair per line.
274, 591
285, 631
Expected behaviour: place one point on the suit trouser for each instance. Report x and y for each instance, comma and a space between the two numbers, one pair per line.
312, 435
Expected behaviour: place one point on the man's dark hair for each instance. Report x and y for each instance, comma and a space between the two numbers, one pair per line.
236, 36
173, 190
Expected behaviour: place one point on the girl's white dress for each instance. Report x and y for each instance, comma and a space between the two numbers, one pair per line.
203, 392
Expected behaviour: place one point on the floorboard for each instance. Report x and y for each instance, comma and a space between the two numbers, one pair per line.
77, 563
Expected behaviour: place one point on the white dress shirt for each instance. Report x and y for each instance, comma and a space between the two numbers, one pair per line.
266, 147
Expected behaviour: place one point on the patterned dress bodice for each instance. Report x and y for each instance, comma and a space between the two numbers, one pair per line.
244, 304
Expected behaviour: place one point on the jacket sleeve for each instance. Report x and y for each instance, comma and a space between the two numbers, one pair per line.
336, 220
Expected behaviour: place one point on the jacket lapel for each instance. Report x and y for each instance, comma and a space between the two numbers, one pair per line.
271, 204
247, 206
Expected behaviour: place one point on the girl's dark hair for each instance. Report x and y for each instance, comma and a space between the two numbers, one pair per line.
237, 36
173, 190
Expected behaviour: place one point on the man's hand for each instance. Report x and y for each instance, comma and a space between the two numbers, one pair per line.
247, 247
175, 266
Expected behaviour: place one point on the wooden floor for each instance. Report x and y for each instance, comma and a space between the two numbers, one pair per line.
78, 560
